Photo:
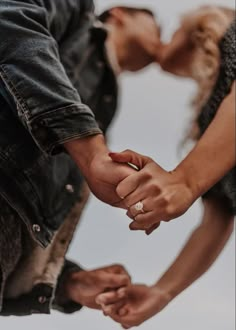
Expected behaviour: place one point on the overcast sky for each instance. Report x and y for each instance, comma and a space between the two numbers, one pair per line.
154, 112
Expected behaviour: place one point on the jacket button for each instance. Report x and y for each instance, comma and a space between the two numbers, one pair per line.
100, 64
36, 228
70, 188
108, 98
42, 300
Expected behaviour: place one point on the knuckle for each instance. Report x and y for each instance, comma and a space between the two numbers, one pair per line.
172, 212
127, 205
112, 281
154, 187
166, 198
124, 278
147, 175
118, 266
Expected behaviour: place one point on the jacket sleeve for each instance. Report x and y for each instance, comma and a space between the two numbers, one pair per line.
46, 102
42, 298
38, 301
60, 303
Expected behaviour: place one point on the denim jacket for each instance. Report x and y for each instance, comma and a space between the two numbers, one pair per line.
55, 85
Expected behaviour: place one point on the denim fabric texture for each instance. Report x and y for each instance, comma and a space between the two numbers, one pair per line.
56, 84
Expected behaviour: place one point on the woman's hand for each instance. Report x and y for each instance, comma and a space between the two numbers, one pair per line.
84, 286
140, 304
164, 195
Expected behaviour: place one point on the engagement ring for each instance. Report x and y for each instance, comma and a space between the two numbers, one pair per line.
139, 207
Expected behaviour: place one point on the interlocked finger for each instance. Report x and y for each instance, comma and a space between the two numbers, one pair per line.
145, 221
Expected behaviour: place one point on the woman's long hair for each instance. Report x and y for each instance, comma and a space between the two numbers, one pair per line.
206, 28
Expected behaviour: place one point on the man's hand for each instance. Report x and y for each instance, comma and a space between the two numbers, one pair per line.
164, 195
100, 172
83, 287
138, 304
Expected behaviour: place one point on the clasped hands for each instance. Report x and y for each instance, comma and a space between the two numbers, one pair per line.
151, 194
110, 289
162, 195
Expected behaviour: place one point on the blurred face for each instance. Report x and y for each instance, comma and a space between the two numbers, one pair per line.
142, 39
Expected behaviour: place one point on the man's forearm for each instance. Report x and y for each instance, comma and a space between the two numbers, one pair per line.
214, 154
201, 250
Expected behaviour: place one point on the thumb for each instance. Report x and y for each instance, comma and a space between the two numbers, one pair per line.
129, 156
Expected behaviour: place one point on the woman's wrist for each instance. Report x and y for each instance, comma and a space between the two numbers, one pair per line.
164, 295
186, 174
169, 286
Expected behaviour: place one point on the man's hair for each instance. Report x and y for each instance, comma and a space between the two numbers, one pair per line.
104, 17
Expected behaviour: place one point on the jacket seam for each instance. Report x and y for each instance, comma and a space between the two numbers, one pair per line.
72, 137
21, 105
67, 107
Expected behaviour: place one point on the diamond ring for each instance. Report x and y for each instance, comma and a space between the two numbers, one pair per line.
139, 207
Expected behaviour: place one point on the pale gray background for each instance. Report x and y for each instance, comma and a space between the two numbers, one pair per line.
154, 112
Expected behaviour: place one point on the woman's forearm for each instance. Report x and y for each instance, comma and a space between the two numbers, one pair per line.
201, 250
214, 154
